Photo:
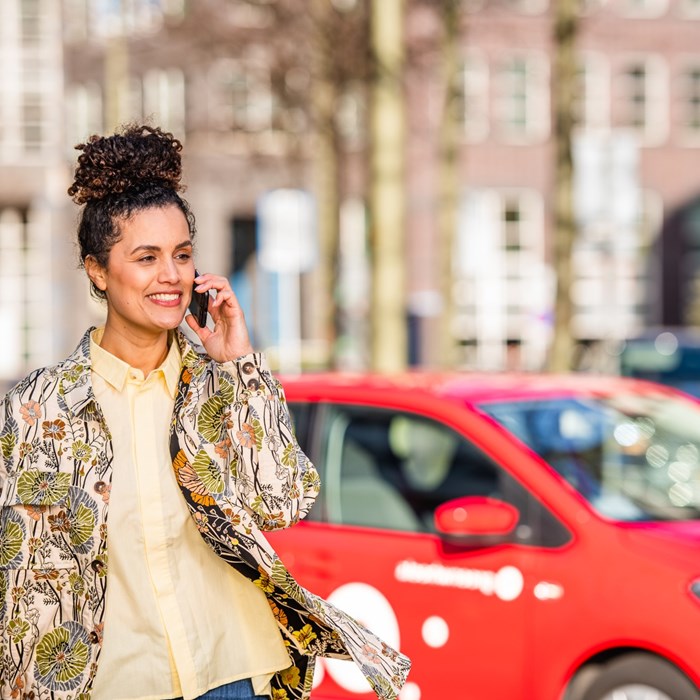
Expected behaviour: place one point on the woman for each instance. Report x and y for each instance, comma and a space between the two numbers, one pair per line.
137, 476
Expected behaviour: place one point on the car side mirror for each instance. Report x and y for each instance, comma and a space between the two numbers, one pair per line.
478, 520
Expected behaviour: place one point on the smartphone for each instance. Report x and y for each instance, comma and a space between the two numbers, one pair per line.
199, 305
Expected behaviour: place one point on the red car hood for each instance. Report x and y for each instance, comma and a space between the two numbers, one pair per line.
676, 541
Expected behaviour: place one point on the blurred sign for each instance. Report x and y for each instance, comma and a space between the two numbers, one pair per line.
287, 240
606, 178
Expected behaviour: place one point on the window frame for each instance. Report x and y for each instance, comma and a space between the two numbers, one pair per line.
655, 129
684, 93
487, 272
533, 94
256, 111
474, 88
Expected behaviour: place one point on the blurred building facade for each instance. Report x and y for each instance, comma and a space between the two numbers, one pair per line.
636, 158
213, 72
32, 172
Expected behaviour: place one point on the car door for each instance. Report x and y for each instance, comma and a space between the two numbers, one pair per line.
370, 547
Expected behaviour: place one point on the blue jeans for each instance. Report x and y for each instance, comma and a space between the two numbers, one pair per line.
238, 690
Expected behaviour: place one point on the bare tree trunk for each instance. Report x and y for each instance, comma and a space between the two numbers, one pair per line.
327, 184
386, 197
448, 196
564, 81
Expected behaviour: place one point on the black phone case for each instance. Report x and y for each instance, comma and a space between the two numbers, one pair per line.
199, 306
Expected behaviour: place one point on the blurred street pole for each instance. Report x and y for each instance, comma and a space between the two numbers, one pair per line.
449, 140
386, 197
116, 75
564, 89
325, 100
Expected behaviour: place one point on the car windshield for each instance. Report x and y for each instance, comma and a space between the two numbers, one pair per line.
632, 456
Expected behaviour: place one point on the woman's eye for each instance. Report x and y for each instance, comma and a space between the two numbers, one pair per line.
147, 258
184, 256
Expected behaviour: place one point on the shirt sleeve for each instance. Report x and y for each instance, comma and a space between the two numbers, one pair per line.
273, 477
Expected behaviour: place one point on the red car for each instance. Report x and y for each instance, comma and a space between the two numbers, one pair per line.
519, 537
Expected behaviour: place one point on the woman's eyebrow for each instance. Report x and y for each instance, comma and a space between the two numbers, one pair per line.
156, 248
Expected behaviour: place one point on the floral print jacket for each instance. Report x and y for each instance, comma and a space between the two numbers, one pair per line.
240, 471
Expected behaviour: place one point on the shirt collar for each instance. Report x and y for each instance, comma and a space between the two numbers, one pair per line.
116, 371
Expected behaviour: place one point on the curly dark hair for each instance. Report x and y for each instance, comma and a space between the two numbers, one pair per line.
137, 168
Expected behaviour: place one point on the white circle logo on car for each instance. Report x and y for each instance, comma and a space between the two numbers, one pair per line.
508, 584
435, 632
410, 692
367, 605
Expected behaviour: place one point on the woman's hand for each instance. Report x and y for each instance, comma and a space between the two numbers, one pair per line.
229, 340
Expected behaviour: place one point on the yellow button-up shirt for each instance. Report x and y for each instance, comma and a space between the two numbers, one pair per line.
178, 620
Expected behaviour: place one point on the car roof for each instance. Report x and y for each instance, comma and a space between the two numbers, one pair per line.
463, 387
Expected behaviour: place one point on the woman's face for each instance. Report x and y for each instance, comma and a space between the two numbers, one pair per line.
150, 271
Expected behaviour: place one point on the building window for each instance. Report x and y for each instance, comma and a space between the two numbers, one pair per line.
690, 104
503, 291
245, 98
636, 78
31, 29
135, 97
642, 9
84, 113
75, 20
33, 122
351, 116
13, 294
164, 99
613, 271
690, 9
527, 7
523, 99
588, 7
39, 75
644, 99
112, 18
593, 99
472, 98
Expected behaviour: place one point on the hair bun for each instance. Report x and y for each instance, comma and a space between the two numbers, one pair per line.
136, 158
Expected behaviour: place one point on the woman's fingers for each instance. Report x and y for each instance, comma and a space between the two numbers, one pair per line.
202, 333
224, 293
229, 338
207, 281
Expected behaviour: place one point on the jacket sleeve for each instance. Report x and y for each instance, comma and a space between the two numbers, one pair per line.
5, 445
273, 478
9, 438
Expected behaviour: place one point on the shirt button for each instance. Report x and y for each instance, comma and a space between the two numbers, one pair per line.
100, 487
253, 384
248, 368
97, 566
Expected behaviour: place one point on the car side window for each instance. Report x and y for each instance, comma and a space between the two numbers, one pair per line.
301, 420
304, 416
391, 470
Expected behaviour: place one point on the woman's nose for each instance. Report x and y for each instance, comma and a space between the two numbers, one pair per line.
168, 272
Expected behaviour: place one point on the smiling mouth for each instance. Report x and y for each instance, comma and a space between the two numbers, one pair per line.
165, 298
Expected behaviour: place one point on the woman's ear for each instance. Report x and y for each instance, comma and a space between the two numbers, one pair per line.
96, 273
